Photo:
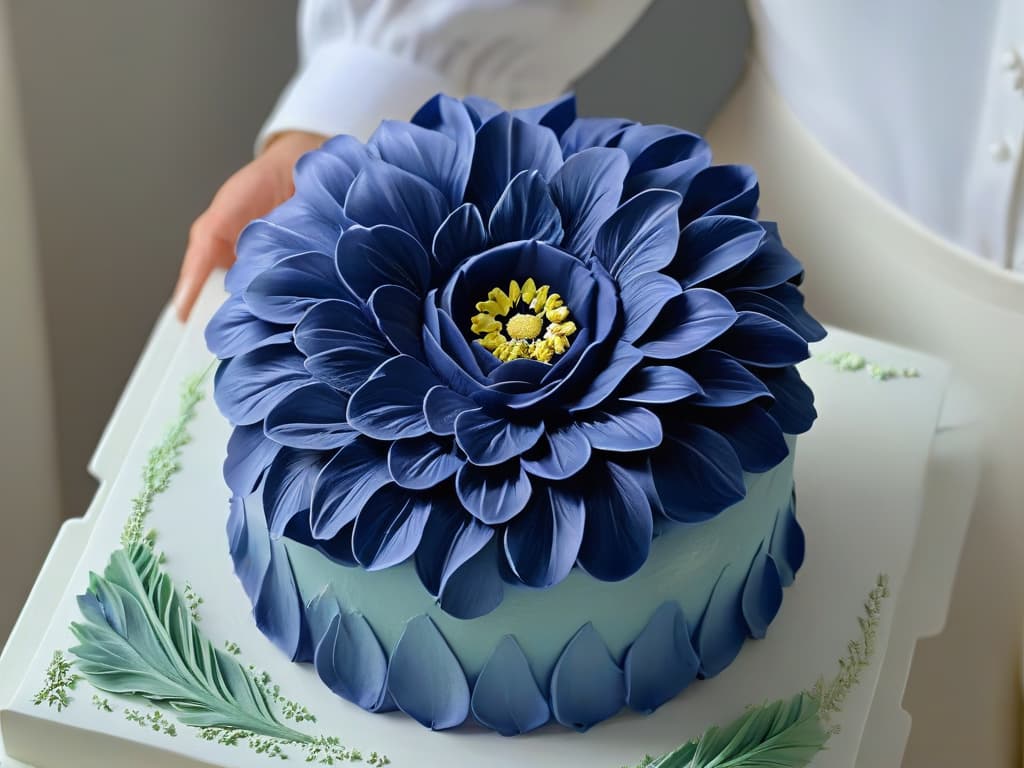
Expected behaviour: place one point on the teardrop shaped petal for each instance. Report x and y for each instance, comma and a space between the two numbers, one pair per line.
506, 698
661, 662
425, 679
586, 685
493, 495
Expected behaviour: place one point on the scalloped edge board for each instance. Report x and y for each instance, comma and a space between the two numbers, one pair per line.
882, 517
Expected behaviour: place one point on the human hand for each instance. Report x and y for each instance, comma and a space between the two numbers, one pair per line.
253, 191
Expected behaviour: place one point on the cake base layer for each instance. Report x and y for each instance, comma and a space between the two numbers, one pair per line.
577, 652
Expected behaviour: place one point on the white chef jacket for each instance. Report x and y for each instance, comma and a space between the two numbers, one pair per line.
923, 100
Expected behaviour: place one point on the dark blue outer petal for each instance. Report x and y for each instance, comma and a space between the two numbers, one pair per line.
389, 528
431, 155
451, 118
712, 245
234, 330
506, 698
721, 190
288, 487
249, 453
425, 679
264, 243
557, 114
641, 236
661, 662
460, 236
311, 417
525, 211
284, 293
493, 495
670, 162
383, 194
506, 145
783, 303
688, 323
619, 526
488, 441
697, 473
794, 401
543, 541
368, 258
788, 545
422, 462
345, 485
247, 387
756, 339
587, 685
586, 190
390, 404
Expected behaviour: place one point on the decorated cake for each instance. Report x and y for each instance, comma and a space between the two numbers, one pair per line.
514, 407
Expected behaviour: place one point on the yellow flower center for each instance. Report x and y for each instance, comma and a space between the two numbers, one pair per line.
520, 335
524, 326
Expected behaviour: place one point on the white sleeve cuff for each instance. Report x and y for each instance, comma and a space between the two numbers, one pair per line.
346, 88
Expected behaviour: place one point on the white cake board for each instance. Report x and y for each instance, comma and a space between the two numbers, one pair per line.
861, 475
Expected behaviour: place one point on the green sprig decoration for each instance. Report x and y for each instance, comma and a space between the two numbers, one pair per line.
101, 703
153, 719
785, 733
831, 694
59, 680
852, 362
163, 460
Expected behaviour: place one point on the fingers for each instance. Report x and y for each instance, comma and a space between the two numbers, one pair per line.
207, 250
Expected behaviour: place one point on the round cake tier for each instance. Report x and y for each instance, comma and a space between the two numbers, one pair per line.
577, 652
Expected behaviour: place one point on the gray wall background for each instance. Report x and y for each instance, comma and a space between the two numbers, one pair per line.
136, 110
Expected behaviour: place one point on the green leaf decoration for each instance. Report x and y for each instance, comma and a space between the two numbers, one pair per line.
783, 733
140, 638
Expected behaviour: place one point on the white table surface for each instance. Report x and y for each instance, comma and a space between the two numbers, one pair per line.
911, 438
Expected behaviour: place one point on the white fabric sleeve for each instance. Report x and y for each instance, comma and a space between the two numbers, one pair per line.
362, 61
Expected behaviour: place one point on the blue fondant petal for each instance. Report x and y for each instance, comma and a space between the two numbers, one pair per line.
624, 359
619, 525
793, 408
350, 661
430, 155
425, 679
670, 162
311, 417
543, 541
400, 318
661, 662
248, 386
389, 528
712, 245
475, 588
557, 114
722, 629
587, 685
621, 428
321, 611
288, 487
460, 236
422, 462
488, 441
762, 594
234, 330
726, 383
560, 453
641, 236
721, 190
772, 265
442, 407
249, 545
346, 484
383, 194
756, 339
586, 190
264, 243
368, 258
284, 293
249, 454
506, 698
450, 539
687, 323
506, 145
784, 303
592, 132
787, 545
642, 300
753, 434
339, 325
525, 211
696, 473
278, 610
390, 404
658, 384
449, 117
493, 495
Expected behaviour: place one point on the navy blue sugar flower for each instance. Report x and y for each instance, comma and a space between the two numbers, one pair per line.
505, 343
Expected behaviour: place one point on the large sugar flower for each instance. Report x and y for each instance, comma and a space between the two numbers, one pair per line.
507, 344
